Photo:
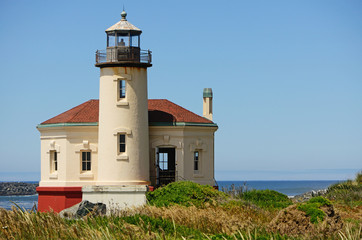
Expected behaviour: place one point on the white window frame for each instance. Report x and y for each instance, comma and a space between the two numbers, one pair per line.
86, 161
197, 161
121, 89
53, 154
117, 132
53, 147
86, 147
122, 101
122, 143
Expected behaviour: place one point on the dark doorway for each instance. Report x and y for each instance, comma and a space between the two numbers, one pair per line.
165, 166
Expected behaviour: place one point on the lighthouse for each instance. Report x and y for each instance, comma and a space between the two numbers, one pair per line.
123, 138
123, 108
112, 149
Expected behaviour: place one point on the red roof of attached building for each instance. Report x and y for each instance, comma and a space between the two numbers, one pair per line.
159, 110
85, 112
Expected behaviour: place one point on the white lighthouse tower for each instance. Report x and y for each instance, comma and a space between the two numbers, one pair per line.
123, 138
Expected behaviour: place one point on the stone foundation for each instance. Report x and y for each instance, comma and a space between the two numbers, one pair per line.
116, 197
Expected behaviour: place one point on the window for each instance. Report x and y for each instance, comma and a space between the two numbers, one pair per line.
86, 161
196, 161
122, 88
122, 143
54, 161
163, 160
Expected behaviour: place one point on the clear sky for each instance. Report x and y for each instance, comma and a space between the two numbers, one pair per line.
286, 77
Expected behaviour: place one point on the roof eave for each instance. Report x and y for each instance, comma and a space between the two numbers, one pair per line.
183, 124
49, 125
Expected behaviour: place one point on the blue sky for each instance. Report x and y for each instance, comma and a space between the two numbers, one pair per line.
286, 77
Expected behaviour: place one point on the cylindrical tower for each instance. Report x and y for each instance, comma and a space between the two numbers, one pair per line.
123, 139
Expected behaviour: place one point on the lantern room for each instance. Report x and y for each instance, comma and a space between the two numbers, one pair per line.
123, 44
123, 34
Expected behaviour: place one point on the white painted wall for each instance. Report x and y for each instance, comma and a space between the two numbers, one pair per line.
116, 197
68, 142
186, 140
129, 116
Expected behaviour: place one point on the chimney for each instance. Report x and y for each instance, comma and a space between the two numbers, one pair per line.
207, 106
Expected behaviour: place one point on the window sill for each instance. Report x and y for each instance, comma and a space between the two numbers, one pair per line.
120, 104
198, 175
53, 175
86, 175
122, 158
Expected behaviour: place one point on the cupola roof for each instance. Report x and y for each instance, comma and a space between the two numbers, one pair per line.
123, 25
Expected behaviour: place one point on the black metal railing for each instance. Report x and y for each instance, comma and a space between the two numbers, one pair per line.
123, 54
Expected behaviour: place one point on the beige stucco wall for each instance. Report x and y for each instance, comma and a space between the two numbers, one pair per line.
185, 140
207, 108
68, 142
126, 116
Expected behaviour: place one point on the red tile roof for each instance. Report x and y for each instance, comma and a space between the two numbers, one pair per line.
159, 110
85, 112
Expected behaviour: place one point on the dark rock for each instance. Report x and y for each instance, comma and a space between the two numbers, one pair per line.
87, 208
70, 213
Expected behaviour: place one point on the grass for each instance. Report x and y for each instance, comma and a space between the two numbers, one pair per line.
150, 222
185, 211
312, 208
348, 192
268, 199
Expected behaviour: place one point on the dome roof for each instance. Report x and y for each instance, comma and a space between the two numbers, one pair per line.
123, 25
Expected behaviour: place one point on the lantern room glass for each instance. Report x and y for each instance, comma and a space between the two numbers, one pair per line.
123, 40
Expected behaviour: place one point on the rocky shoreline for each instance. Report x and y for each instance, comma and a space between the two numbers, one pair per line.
17, 188
308, 195
22, 189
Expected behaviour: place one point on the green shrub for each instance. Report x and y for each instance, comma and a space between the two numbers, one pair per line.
348, 192
359, 178
312, 208
185, 193
266, 198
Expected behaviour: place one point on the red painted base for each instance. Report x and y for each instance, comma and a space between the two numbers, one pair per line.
58, 198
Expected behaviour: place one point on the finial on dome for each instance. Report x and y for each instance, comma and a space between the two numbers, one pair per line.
124, 14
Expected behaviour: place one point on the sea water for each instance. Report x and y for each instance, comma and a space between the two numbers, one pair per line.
289, 188
26, 202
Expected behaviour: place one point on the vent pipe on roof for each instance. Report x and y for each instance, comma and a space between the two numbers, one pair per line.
207, 106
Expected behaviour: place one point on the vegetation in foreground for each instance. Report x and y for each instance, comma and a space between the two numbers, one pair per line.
348, 192
185, 210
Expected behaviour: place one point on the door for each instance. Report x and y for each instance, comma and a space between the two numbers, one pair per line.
165, 166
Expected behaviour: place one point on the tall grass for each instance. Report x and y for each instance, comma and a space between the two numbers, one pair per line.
348, 192
246, 215
149, 222
351, 232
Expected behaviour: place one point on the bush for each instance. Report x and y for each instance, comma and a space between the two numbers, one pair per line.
348, 192
185, 193
266, 198
312, 208
359, 178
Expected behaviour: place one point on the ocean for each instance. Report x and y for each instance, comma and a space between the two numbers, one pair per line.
289, 188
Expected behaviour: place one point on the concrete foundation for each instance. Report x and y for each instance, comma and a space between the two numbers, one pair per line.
116, 197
